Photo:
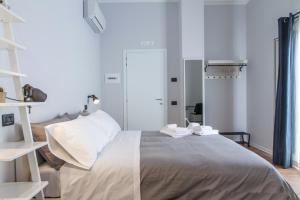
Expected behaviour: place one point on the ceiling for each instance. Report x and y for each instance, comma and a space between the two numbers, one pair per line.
207, 2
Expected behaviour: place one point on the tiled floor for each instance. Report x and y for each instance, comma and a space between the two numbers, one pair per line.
291, 175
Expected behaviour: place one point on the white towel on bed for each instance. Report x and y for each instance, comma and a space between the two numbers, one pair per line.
176, 132
205, 130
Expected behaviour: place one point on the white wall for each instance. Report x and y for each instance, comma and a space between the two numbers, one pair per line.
62, 58
262, 28
192, 25
128, 25
225, 38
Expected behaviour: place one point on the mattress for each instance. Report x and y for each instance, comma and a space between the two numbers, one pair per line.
151, 165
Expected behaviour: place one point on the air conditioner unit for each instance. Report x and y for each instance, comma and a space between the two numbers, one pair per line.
93, 15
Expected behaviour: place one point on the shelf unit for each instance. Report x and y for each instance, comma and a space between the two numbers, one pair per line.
13, 150
10, 45
224, 69
226, 63
10, 151
4, 73
26, 190
8, 16
20, 104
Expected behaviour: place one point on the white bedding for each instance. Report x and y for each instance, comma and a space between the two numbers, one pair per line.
78, 141
114, 172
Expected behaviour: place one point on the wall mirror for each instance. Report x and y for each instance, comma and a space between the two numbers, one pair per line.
193, 91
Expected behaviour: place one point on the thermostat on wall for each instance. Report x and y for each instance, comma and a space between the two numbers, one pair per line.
112, 78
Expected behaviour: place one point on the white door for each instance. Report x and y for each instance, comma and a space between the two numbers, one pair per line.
145, 90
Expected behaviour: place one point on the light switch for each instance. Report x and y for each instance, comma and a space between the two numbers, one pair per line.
174, 103
174, 80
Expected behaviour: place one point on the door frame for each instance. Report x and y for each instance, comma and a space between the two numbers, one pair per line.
165, 75
203, 90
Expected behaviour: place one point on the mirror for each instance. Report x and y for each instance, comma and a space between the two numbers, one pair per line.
194, 90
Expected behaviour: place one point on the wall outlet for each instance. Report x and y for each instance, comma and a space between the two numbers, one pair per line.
8, 120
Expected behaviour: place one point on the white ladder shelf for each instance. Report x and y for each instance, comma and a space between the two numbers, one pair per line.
13, 150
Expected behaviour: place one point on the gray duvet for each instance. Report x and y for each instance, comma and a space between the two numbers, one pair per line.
208, 168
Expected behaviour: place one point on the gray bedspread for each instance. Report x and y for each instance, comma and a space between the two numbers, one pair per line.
208, 168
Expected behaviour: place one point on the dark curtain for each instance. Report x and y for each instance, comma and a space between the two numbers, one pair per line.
284, 113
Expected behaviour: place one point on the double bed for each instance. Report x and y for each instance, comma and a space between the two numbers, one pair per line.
150, 165
139, 165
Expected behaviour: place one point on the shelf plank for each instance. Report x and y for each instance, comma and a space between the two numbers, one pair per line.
12, 150
7, 44
4, 73
20, 104
21, 190
8, 16
226, 62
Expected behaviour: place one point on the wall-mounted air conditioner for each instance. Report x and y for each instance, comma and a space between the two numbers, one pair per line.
93, 15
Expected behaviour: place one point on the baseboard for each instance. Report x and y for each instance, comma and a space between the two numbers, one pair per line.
296, 165
264, 149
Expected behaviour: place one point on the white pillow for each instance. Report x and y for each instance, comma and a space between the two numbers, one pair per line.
77, 142
105, 122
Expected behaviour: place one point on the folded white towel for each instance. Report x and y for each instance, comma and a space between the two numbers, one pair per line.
172, 126
206, 132
176, 132
193, 125
206, 128
182, 131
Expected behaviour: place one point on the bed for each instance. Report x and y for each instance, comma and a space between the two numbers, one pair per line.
102, 162
150, 165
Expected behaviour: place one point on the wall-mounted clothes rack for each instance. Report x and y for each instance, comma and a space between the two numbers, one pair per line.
226, 63
224, 69
296, 15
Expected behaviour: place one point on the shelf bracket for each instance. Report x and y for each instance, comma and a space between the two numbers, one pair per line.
205, 69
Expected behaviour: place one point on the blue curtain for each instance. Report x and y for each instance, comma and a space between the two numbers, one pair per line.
284, 113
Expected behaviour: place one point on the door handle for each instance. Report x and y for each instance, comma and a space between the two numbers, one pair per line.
158, 99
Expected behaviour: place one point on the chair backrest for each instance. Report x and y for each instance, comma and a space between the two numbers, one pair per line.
198, 109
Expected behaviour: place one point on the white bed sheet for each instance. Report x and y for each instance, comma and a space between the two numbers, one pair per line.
116, 172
